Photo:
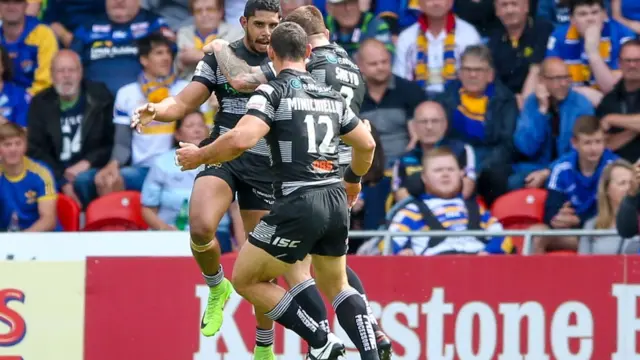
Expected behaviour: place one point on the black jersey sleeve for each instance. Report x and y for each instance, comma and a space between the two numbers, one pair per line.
268, 70
263, 102
348, 120
205, 72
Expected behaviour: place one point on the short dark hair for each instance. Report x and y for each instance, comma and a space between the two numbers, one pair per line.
261, 5
7, 64
10, 130
573, 4
289, 41
310, 18
147, 43
586, 125
628, 43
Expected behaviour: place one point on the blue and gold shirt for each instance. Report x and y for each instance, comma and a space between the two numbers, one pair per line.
14, 103
109, 51
21, 194
31, 55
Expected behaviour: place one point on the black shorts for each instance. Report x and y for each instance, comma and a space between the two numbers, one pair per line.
309, 221
251, 194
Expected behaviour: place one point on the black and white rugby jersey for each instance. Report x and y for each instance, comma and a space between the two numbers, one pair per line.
306, 118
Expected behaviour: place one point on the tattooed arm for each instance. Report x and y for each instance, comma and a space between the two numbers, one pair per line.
240, 75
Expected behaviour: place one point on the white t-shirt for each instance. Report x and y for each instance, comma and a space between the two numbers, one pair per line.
157, 137
406, 52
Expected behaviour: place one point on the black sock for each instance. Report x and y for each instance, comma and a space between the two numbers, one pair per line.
264, 338
308, 297
354, 282
352, 315
290, 315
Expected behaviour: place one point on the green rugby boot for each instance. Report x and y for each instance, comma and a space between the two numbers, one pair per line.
212, 318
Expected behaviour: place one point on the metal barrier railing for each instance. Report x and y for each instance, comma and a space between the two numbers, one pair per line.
527, 234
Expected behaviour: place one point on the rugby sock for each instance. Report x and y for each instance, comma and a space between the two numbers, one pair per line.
290, 315
308, 297
264, 338
216, 279
354, 282
352, 315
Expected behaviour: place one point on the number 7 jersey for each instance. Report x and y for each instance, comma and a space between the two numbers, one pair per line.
306, 119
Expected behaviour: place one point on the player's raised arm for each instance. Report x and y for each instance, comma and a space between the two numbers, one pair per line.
240, 75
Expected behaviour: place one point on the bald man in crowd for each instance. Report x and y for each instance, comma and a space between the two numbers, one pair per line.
70, 124
545, 126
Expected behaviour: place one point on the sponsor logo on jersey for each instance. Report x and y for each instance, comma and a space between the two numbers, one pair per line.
295, 84
257, 102
331, 58
285, 243
105, 49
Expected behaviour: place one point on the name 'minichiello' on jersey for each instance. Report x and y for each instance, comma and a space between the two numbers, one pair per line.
306, 120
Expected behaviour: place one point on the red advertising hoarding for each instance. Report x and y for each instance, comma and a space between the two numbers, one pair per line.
493, 308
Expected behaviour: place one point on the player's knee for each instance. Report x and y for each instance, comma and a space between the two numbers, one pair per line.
331, 287
240, 282
202, 232
297, 274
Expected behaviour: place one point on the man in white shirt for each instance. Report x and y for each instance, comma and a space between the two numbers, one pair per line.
428, 51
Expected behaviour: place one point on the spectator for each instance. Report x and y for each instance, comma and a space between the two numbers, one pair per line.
399, 14
627, 217
428, 51
627, 12
166, 190
389, 102
479, 13
14, 100
620, 109
430, 126
545, 125
349, 26
442, 208
27, 189
208, 25
64, 16
590, 45
30, 44
617, 180
287, 6
175, 12
483, 113
573, 185
107, 46
137, 150
555, 11
518, 46
70, 124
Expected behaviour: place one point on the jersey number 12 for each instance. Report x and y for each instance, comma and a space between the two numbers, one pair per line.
325, 146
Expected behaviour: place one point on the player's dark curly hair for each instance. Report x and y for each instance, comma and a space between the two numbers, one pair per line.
261, 5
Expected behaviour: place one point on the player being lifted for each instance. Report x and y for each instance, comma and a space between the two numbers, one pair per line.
330, 64
302, 120
248, 176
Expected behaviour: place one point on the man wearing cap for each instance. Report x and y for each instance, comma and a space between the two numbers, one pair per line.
349, 26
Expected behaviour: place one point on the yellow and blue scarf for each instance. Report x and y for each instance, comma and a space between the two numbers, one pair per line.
574, 47
421, 72
469, 116
199, 41
156, 91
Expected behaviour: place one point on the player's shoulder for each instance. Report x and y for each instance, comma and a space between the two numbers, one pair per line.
38, 170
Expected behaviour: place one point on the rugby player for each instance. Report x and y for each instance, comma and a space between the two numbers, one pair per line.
302, 121
330, 64
248, 176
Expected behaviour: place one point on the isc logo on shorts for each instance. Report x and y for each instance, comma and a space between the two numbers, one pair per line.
285, 243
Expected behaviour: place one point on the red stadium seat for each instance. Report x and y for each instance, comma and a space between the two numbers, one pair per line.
115, 212
520, 208
68, 213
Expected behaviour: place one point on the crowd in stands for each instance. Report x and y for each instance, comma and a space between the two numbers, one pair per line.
469, 100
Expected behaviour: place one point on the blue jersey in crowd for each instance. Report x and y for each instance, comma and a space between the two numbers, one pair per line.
21, 194
72, 13
14, 103
109, 51
567, 183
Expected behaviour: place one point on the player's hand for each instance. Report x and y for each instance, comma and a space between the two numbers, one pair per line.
353, 190
142, 116
188, 156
